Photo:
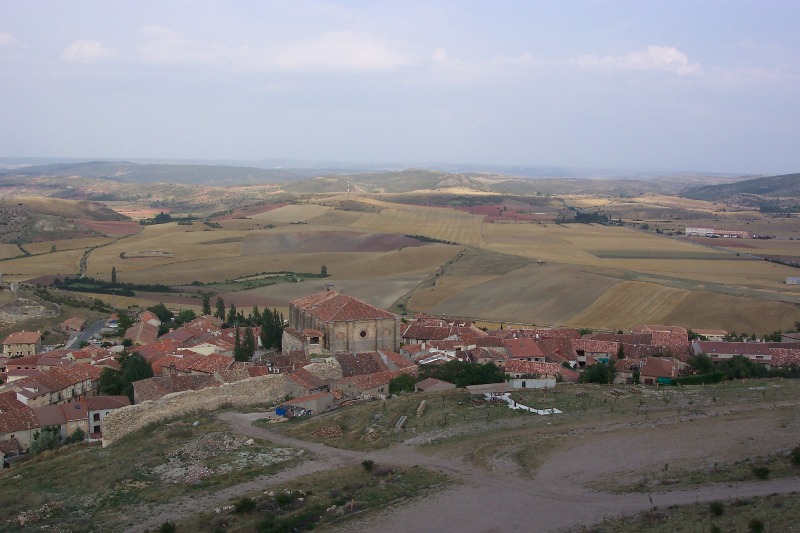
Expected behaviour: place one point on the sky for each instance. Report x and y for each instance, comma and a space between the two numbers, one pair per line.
677, 85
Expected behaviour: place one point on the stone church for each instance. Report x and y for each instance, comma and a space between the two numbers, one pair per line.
330, 322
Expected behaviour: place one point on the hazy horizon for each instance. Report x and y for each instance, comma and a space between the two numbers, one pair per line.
625, 86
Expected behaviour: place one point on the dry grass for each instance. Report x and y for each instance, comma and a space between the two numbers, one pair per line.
438, 223
37, 248
292, 213
9, 250
66, 263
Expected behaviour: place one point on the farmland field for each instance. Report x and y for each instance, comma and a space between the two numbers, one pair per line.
9, 250
530, 271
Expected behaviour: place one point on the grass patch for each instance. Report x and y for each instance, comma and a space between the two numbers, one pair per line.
320, 499
191, 455
778, 512
760, 468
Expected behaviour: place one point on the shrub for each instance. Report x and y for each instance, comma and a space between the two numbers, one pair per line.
167, 527
761, 472
368, 464
244, 505
716, 508
796, 456
284, 498
755, 526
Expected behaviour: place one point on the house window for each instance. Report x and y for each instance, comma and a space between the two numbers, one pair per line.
363, 333
523, 385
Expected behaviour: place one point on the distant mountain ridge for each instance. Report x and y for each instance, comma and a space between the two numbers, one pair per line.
769, 187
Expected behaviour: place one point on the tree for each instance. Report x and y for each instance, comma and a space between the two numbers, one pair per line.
248, 345
231, 314
255, 316
132, 368
114, 275
463, 373
220, 308
237, 346
206, 303
271, 329
161, 311
600, 373
53, 249
404, 382
186, 315
323, 272
124, 321
621, 352
110, 383
77, 436
701, 363
49, 438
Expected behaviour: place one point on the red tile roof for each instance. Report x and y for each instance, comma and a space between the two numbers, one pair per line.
591, 346
332, 306
306, 379
522, 348
23, 337
14, 415
102, 403
359, 364
733, 348
659, 367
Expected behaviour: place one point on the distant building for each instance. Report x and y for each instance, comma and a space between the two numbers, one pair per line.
331, 322
792, 281
714, 232
22, 343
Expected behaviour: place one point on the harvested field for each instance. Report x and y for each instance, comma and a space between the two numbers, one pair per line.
44, 247
381, 292
435, 222
534, 294
9, 250
291, 213
113, 228
324, 241
335, 218
632, 303
66, 263
250, 211
419, 260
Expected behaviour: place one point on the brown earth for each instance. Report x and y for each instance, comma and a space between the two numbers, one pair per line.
557, 497
325, 241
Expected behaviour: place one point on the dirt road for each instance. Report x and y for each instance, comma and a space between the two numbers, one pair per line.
557, 497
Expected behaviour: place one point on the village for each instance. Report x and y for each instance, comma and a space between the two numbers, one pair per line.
338, 350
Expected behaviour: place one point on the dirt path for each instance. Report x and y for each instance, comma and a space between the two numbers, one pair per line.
556, 498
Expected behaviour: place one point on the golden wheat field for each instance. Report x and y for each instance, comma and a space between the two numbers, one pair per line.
537, 273
9, 250
65, 263
36, 248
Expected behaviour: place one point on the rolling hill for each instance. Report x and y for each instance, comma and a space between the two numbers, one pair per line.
749, 192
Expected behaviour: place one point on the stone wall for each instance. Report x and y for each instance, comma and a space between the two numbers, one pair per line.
327, 370
262, 389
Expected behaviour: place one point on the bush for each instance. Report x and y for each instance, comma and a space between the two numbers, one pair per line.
700, 379
755, 525
167, 527
244, 505
761, 472
284, 498
796, 456
368, 464
716, 508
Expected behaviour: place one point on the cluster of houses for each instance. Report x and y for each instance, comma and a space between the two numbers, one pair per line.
337, 349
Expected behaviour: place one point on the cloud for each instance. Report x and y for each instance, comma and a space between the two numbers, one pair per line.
87, 50
653, 59
439, 55
337, 50
6, 39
